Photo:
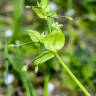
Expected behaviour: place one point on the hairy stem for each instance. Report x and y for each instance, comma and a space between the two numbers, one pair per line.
71, 74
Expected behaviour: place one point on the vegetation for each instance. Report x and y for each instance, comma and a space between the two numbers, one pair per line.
61, 48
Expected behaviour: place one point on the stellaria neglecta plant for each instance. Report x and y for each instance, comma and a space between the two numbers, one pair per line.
53, 41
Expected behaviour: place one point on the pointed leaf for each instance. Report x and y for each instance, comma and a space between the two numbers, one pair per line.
43, 3
43, 57
34, 35
39, 12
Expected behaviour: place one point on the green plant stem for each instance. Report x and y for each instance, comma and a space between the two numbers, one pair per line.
71, 74
46, 85
49, 26
49, 23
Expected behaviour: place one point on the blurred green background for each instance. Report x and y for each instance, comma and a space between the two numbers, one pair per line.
79, 52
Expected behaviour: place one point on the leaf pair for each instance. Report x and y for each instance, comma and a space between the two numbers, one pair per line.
43, 10
53, 41
42, 58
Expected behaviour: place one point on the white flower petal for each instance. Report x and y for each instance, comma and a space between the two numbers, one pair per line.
8, 33
9, 78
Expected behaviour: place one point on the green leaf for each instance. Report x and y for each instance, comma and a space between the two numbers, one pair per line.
44, 3
34, 35
40, 13
55, 40
43, 58
53, 14
47, 9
